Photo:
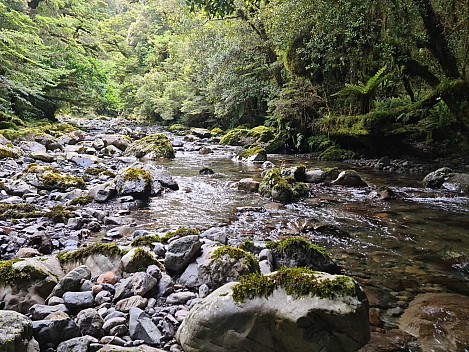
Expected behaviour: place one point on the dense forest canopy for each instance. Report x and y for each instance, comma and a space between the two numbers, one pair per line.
318, 72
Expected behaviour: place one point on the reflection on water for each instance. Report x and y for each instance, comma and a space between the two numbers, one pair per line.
416, 243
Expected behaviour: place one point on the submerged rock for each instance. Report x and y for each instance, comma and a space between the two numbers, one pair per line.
253, 316
439, 321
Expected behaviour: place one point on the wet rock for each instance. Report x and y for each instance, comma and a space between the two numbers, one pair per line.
72, 281
457, 183
248, 185
90, 323
134, 182
349, 178
436, 178
439, 321
281, 188
206, 171
308, 323
16, 333
180, 252
76, 301
77, 344
205, 151
40, 311
201, 132
104, 192
141, 327
54, 331
254, 154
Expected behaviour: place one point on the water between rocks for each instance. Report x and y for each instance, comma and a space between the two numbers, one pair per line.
397, 248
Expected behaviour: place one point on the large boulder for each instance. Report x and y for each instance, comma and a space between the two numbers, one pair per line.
349, 178
439, 321
16, 333
457, 183
135, 182
72, 281
27, 282
117, 140
141, 327
435, 179
48, 178
289, 311
253, 154
282, 188
55, 331
151, 147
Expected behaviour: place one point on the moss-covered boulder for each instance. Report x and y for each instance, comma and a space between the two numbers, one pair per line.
16, 332
26, 282
262, 136
134, 182
335, 153
281, 188
226, 264
139, 259
290, 310
151, 147
9, 152
253, 154
299, 252
49, 178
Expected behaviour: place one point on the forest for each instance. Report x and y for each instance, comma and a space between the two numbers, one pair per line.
339, 78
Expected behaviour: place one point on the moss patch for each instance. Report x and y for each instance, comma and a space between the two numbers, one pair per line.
336, 153
182, 232
145, 259
157, 144
7, 153
83, 200
247, 245
282, 188
297, 282
237, 254
59, 214
145, 241
217, 131
260, 135
62, 182
291, 246
108, 249
95, 171
247, 153
10, 275
19, 211
177, 127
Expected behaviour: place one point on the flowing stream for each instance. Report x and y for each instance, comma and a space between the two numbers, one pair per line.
396, 248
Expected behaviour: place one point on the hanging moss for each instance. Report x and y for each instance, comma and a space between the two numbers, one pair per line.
145, 241
237, 254
19, 211
182, 232
59, 214
10, 275
297, 282
291, 246
108, 249
83, 200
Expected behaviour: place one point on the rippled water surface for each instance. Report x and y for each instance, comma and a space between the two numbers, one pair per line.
416, 243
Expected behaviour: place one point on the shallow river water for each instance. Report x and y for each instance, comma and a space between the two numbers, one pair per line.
397, 248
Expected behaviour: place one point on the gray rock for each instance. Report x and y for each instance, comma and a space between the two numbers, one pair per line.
40, 311
154, 271
113, 322
436, 178
72, 281
78, 300
141, 327
142, 283
90, 323
135, 301
457, 183
102, 297
248, 185
55, 331
180, 297
42, 156
77, 344
123, 289
349, 178
201, 132
104, 192
16, 333
116, 140
308, 323
315, 176
165, 285
180, 252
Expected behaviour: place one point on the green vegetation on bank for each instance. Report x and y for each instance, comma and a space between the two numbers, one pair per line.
302, 76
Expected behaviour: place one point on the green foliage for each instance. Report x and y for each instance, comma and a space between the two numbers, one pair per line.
107, 249
157, 144
147, 241
336, 153
83, 200
296, 282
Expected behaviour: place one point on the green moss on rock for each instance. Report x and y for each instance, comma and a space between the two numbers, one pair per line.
145, 241
247, 153
95, 171
153, 146
83, 200
177, 127
247, 245
108, 249
296, 282
144, 260
58, 213
182, 232
237, 254
291, 246
260, 135
11, 275
19, 211
336, 153
7, 153
62, 182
